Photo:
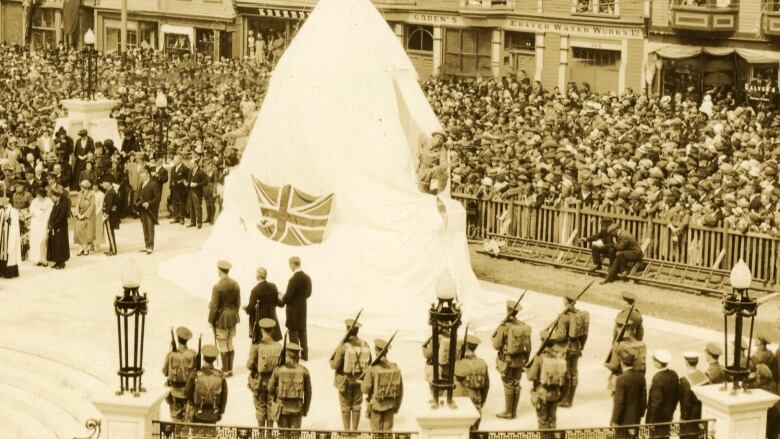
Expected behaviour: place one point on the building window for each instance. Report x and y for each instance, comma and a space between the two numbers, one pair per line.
598, 7
707, 3
596, 57
467, 52
520, 54
177, 45
420, 38
204, 41
43, 35
112, 40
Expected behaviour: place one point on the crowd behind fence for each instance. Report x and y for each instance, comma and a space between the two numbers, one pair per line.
713, 247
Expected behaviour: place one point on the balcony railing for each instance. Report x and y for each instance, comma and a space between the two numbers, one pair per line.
183, 430
687, 429
707, 16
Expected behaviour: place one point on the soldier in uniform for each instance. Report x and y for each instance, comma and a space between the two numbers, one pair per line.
443, 355
714, 372
548, 375
471, 376
223, 314
629, 344
207, 390
263, 359
662, 397
178, 366
290, 386
350, 362
763, 355
384, 389
636, 317
512, 340
690, 406
576, 324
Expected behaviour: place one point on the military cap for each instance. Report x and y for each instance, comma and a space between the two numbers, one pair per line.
662, 356
612, 228
512, 305
210, 351
461, 369
350, 322
713, 349
183, 333
224, 265
763, 338
267, 323
628, 296
293, 347
380, 343
690, 355
473, 340
627, 357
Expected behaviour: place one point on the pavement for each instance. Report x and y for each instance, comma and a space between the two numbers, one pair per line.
58, 344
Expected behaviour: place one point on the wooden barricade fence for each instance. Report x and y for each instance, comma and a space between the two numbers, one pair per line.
696, 246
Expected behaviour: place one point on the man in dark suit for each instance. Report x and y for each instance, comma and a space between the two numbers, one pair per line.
298, 290
630, 399
111, 216
627, 251
603, 248
663, 397
180, 179
198, 181
148, 203
158, 171
262, 304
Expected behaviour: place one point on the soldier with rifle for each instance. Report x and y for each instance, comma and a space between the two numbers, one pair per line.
384, 388
207, 390
471, 375
512, 340
290, 386
179, 365
625, 341
547, 372
630, 310
349, 361
263, 359
576, 324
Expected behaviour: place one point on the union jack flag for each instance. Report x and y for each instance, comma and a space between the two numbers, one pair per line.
291, 216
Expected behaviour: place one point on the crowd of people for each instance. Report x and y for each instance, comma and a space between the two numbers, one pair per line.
709, 164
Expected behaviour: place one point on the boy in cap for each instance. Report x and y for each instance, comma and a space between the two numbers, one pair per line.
471, 376
290, 388
575, 325
350, 361
629, 298
512, 340
384, 389
630, 398
547, 373
263, 359
178, 367
207, 390
714, 372
223, 314
662, 400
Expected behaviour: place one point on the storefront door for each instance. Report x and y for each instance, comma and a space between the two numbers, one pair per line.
419, 47
600, 68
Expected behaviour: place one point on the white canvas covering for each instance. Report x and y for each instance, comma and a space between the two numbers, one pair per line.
344, 114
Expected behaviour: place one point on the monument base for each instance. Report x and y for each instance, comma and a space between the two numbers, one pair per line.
445, 422
739, 415
129, 417
94, 116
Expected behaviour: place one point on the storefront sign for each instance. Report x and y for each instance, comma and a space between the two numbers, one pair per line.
442, 20
273, 12
573, 29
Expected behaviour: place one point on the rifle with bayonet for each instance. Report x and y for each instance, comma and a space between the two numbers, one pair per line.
197, 358
509, 314
379, 356
462, 351
283, 353
619, 336
173, 342
347, 334
551, 328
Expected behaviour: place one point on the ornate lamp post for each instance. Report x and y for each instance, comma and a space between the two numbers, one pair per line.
161, 117
740, 306
130, 309
444, 318
90, 56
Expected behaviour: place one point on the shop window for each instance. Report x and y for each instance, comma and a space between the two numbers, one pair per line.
761, 90
707, 3
112, 40
598, 7
148, 34
420, 38
176, 44
467, 52
43, 35
519, 54
596, 57
204, 41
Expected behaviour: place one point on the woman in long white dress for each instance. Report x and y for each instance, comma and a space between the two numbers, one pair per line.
40, 209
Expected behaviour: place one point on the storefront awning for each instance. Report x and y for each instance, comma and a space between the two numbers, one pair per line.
282, 13
674, 51
179, 30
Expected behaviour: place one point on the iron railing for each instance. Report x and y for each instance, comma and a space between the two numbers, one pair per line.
675, 430
184, 430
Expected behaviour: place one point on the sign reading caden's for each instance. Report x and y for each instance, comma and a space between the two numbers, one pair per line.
573, 29
442, 20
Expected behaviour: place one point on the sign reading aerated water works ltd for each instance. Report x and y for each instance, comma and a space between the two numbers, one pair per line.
573, 29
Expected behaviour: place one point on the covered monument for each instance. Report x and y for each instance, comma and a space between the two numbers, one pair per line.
344, 116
